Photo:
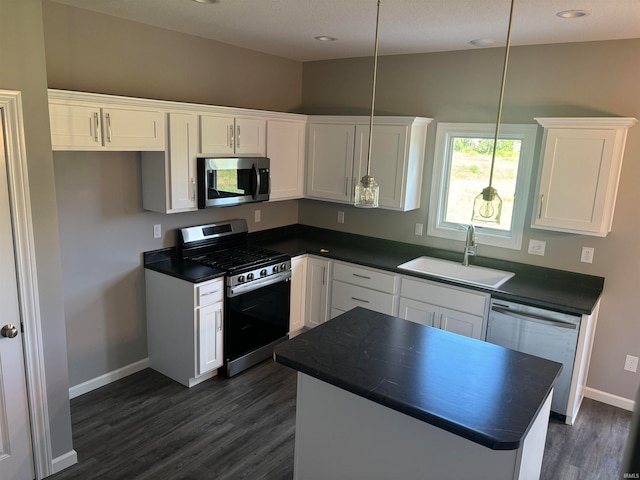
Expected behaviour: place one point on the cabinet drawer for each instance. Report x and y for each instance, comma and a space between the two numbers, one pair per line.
345, 297
209, 292
450, 297
364, 277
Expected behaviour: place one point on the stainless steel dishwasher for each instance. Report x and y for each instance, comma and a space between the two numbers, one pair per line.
543, 333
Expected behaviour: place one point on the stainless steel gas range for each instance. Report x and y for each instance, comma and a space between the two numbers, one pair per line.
257, 289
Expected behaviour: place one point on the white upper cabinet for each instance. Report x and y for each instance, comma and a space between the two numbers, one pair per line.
86, 124
169, 177
285, 149
579, 174
228, 135
337, 158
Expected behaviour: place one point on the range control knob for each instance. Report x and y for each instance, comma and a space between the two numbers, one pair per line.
241, 279
283, 267
263, 272
250, 276
276, 269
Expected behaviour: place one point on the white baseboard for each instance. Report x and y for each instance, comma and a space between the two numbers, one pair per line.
609, 399
107, 378
64, 461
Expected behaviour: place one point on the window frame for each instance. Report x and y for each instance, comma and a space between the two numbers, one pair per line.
445, 133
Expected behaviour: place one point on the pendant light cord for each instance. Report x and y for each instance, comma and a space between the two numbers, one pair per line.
373, 94
500, 101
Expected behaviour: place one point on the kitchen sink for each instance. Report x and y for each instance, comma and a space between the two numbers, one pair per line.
486, 277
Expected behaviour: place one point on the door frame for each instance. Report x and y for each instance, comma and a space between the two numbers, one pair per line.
11, 115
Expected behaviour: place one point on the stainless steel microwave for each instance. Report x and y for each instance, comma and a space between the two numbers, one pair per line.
223, 182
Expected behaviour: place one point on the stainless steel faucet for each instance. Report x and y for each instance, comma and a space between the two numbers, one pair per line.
470, 247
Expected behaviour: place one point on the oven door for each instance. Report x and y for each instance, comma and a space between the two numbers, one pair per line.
225, 182
255, 321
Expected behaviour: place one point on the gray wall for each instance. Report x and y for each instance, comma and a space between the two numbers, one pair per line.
23, 69
103, 228
583, 79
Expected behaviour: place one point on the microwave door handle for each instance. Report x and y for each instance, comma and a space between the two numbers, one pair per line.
256, 172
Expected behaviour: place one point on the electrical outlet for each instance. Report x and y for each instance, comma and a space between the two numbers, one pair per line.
257, 216
340, 217
157, 230
587, 255
536, 247
631, 363
419, 228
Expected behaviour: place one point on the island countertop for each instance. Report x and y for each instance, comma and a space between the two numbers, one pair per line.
485, 393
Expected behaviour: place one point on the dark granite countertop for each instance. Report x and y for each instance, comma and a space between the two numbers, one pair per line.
559, 290
567, 292
479, 391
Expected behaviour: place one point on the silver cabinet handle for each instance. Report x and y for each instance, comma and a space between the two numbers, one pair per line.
361, 276
231, 136
96, 127
108, 118
324, 275
193, 189
219, 320
360, 300
209, 293
238, 136
540, 210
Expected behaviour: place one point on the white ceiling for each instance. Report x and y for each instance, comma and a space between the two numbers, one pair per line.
287, 28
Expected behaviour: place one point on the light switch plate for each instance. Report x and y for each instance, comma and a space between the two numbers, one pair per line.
419, 229
536, 247
257, 216
157, 230
340, 217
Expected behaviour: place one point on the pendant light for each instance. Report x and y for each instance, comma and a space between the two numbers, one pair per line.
367, 190
487, 206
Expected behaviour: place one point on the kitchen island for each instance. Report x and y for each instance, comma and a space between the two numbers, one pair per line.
381, 397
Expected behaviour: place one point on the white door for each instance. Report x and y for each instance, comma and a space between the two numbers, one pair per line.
16, 461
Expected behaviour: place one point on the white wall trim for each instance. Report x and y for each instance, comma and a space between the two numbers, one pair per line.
11, 113
609, 399
107, 378
64, 461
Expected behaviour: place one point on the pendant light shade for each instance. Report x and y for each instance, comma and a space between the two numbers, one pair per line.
487, 206
367, 190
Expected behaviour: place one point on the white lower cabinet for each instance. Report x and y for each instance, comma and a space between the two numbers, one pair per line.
356, 286
449, 308
317, 294
298, 293
184, 327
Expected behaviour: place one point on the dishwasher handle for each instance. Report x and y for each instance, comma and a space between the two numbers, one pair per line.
532, 317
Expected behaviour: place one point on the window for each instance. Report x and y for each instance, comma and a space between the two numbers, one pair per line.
462, 162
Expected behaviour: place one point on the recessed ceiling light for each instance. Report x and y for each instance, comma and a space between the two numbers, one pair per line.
325, 38
206, 1
483, 42
573, 13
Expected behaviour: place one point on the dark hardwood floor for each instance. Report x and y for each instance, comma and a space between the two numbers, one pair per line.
146, 426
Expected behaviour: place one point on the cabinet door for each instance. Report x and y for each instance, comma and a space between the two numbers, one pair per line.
298, 289
418, 312
317, 291
285, 148
330, 162
209, 355
75, 127
388, 161
183, 149
250, 136
574, 180
217, 135
461, 323
125, 129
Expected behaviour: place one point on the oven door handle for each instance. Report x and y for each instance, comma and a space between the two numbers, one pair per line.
248, 287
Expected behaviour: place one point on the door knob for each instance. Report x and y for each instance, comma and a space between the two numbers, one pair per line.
9, 331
